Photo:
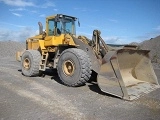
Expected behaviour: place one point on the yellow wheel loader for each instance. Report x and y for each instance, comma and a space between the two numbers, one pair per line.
123, 71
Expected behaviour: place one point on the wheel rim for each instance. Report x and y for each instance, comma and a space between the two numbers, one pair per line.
26, 63
68, 68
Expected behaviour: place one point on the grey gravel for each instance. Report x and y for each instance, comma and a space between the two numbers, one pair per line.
9, 48
154, 45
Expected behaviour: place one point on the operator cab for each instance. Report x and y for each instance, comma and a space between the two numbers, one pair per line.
60, 24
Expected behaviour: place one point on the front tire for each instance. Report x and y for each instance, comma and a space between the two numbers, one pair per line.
74, 67
30, 63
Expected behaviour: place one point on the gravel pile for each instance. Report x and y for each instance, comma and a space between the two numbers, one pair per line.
9, 48
154, 45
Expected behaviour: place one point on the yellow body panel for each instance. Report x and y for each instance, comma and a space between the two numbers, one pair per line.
53, 40
58, 40
41, 44
33, 44
36, 42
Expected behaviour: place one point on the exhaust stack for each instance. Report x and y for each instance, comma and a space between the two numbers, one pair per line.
40, 28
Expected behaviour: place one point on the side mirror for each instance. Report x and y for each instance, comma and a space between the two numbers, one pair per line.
78, 23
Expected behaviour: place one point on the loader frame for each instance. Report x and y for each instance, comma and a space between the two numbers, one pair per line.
122, 71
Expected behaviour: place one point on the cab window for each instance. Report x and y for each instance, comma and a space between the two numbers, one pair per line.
51, 27
54, 28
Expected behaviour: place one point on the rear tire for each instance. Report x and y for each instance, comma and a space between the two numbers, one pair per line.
74, 67
30, 63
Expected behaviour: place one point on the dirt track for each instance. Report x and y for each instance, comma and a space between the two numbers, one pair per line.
46, 99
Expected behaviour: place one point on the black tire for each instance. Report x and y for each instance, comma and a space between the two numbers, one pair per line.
82, 67
32, 59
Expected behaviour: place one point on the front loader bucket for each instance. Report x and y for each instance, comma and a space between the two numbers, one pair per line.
127, 74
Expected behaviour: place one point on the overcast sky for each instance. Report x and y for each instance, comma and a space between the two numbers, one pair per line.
120, 21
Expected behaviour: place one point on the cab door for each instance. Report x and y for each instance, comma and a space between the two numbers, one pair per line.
54, 35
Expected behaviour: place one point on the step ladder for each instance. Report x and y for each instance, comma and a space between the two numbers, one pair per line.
43, 61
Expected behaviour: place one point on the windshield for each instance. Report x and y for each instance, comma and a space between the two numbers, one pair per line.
68, 26
63, 25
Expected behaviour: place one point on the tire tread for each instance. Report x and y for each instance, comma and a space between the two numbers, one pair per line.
36, 57
86, 67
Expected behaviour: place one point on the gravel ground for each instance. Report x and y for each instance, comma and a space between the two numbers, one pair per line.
45, 98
